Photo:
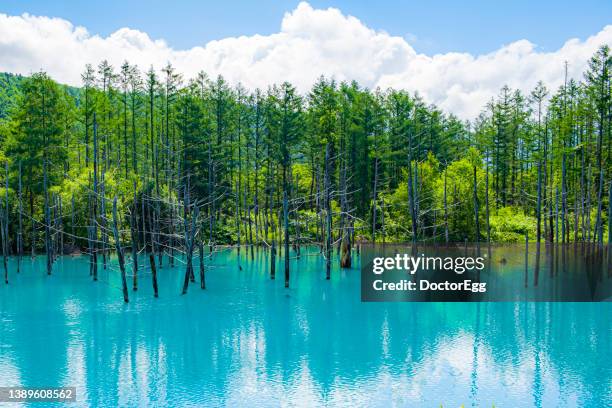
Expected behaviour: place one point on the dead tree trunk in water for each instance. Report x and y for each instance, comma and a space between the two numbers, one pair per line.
48, 248
297, 239
609, 219
94, 204
202, 270
488, 214
286, 228
33, 236
273, 259
557, 215
563, 196
6, 247
134, 232
375, 197
103, 229
190, 233
20, 230
4, 239
211, 197
153, 273
599, 220
345, 256
72, 221
539, 204
119, 252
250, 226
158, 237
61, 225
328, 245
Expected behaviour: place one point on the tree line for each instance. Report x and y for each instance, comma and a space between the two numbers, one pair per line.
155, 162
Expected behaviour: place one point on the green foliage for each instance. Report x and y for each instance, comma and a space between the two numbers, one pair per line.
510, 224
237, 152
10, 90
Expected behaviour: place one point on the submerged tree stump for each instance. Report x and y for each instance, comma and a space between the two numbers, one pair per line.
153, 274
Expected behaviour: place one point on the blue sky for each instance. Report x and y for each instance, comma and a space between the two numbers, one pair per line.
457, 54
438, 26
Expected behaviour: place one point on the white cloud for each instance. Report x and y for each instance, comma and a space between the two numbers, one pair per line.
311, 42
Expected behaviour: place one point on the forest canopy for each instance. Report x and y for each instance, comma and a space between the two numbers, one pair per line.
339, 165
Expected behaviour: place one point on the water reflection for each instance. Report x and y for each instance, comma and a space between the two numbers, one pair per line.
247, 341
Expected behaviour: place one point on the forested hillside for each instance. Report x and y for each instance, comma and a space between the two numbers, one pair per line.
9, 90
197, 162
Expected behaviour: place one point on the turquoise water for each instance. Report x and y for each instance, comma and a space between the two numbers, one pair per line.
248, 341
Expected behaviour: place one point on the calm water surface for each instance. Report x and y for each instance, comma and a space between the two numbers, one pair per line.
248, 341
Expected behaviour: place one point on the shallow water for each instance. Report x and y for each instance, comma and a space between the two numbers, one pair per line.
248, 341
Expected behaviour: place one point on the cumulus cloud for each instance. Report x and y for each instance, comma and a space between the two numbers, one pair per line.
311, 42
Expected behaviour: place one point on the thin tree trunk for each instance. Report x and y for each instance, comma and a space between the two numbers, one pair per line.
446, 210
202, 270
488, 220
153, 274
374, 201
477, 240
134, 230
20, 231
94, 218
48, 248
286, 228
328, 246
119, 252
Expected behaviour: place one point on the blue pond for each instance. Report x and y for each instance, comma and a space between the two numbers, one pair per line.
248, 341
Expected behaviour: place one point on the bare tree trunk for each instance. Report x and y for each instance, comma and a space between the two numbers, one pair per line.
286, 228
609, 217
582, 194
119, 252
563, 197
557, 214
487, 204
60, 225
211, 198
6, 220
190, 234
202, 270
477, 240
94, 210
249, 226
375, 199
134, 231
153, 273
103, 218
411, 200
328, 246
345, 257
599, 220
446, 210
48, 248
539, 204
20, 231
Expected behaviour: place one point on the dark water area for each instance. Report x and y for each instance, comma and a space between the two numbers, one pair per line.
248, 341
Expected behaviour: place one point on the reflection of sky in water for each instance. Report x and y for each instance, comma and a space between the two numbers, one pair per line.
246, 341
